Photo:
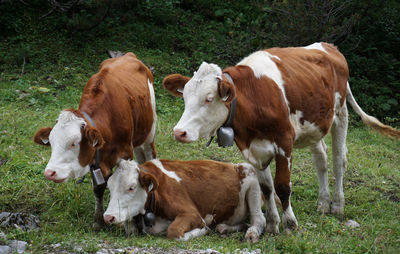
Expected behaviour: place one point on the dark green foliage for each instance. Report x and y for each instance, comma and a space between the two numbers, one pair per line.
77, 34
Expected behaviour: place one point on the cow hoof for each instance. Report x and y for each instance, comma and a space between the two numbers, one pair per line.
252, 235
337, 210
222, 229
272, 228
290, 225
323, 208
98, 226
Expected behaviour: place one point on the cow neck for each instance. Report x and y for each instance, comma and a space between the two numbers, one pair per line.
225, 133
148, 219
97, 175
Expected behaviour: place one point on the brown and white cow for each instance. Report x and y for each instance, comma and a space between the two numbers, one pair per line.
187, 197
120, 101
286, 98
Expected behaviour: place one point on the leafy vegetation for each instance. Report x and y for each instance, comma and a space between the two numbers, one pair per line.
47, 57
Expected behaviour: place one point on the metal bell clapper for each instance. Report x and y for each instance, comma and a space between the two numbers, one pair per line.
225, 136
149, 219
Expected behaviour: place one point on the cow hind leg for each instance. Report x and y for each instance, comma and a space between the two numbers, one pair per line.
271, 213
146, 151
227, 229
320, 160
339, 150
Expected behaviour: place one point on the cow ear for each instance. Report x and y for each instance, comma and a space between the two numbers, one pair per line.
175, 83
226, 91
42, 136
148, 181
94, 137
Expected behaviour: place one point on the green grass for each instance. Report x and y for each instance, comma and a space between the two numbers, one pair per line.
63, 63
371, 182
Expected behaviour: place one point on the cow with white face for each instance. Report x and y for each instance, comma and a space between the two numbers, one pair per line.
186, 198
285, 98
116, 118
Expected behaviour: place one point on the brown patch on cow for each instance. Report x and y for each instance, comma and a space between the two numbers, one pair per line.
42, 133
175, 82
226, 90
147, 180
202, 187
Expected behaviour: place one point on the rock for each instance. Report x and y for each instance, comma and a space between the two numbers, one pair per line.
3, 237
22, 221
18, 246
352, 224
5, 250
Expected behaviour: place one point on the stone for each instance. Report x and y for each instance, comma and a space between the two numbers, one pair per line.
352, 224
18, 246
5, 249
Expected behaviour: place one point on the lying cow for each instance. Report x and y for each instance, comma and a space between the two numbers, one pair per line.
116, 117
285, 98
187, 197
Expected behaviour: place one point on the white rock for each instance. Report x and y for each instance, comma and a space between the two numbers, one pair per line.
18, 246
352, 224
5, 249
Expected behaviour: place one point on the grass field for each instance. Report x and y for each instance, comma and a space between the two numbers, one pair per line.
371, 182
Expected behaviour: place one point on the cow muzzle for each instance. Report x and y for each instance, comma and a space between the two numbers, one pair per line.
181, 136
51, 175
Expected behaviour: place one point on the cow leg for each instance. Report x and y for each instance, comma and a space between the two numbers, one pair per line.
320, 160
339, 150
185, 223
146, 151
226, 229
283, 190
271, 213
99, 207
257, 219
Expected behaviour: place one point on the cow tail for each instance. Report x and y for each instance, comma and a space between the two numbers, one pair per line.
370, 120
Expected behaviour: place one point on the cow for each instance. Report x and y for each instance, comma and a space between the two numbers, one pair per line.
186, 197
116, 118
276, 100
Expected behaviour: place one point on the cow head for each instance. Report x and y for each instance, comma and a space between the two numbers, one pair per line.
73, 144
206, 97
129, 187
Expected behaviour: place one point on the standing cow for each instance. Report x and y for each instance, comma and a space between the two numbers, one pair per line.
285, 98
116, 117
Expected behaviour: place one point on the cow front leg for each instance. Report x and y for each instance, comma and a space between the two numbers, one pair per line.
283, 190
99, 207
186, 226
271, 212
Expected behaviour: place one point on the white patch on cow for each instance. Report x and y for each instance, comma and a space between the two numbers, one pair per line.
144, 152
160, 227
170, 174
194, 233
260, 152
127, 196
201, 119
338, 105
306, 133
316, 45
64, 139
262, 65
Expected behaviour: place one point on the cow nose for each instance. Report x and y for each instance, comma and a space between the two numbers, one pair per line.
50, 174
109, 219
180, 135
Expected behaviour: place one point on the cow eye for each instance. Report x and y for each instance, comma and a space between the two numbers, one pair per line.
131, 189
209, 99
73, 145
